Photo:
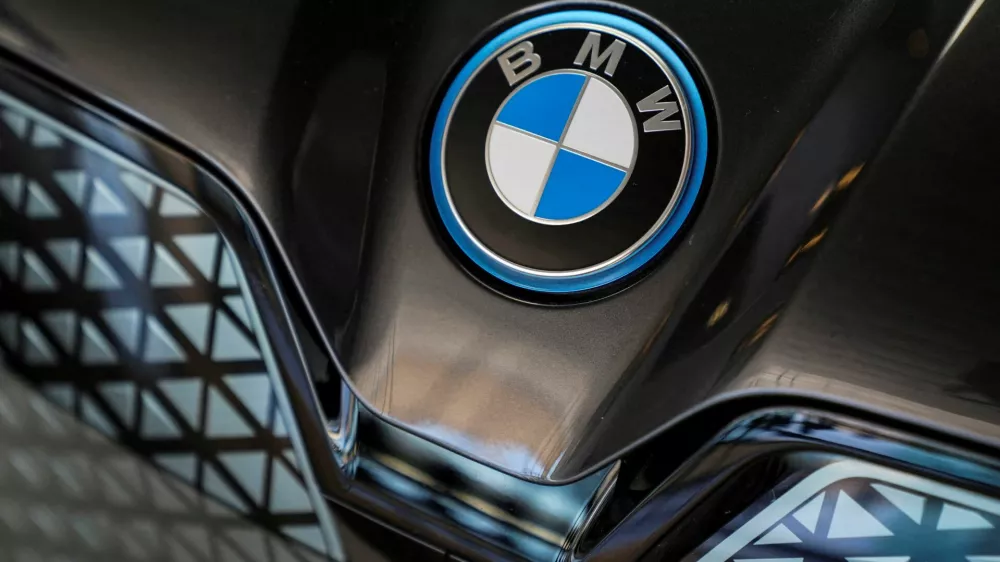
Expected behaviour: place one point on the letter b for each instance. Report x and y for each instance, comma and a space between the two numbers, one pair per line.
519, 62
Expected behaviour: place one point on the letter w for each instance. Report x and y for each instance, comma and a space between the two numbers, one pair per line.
654, 102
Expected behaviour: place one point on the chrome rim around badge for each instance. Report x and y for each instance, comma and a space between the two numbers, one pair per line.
568, 151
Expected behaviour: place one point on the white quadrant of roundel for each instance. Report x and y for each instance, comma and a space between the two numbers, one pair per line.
518, 163
602, 126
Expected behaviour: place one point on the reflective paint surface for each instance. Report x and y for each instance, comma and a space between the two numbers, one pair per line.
811, 274
560, 390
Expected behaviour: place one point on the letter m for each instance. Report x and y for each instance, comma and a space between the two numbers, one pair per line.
592, 46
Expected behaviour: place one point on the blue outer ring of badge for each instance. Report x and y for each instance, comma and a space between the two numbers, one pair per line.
546, 282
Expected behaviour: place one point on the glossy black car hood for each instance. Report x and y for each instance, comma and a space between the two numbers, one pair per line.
824, 260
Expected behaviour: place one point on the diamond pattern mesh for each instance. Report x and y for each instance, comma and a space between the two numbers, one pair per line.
69, 493
120, 299
857, 512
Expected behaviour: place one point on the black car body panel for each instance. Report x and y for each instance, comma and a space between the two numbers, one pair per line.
839, 262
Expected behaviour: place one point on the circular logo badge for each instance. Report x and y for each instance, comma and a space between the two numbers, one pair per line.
568, 151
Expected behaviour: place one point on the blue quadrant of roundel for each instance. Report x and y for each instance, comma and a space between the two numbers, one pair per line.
542, 107
576, 186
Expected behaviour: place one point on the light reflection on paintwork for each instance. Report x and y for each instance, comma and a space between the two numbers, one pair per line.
532, 520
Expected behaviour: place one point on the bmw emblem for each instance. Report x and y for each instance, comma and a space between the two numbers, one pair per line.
568, 151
